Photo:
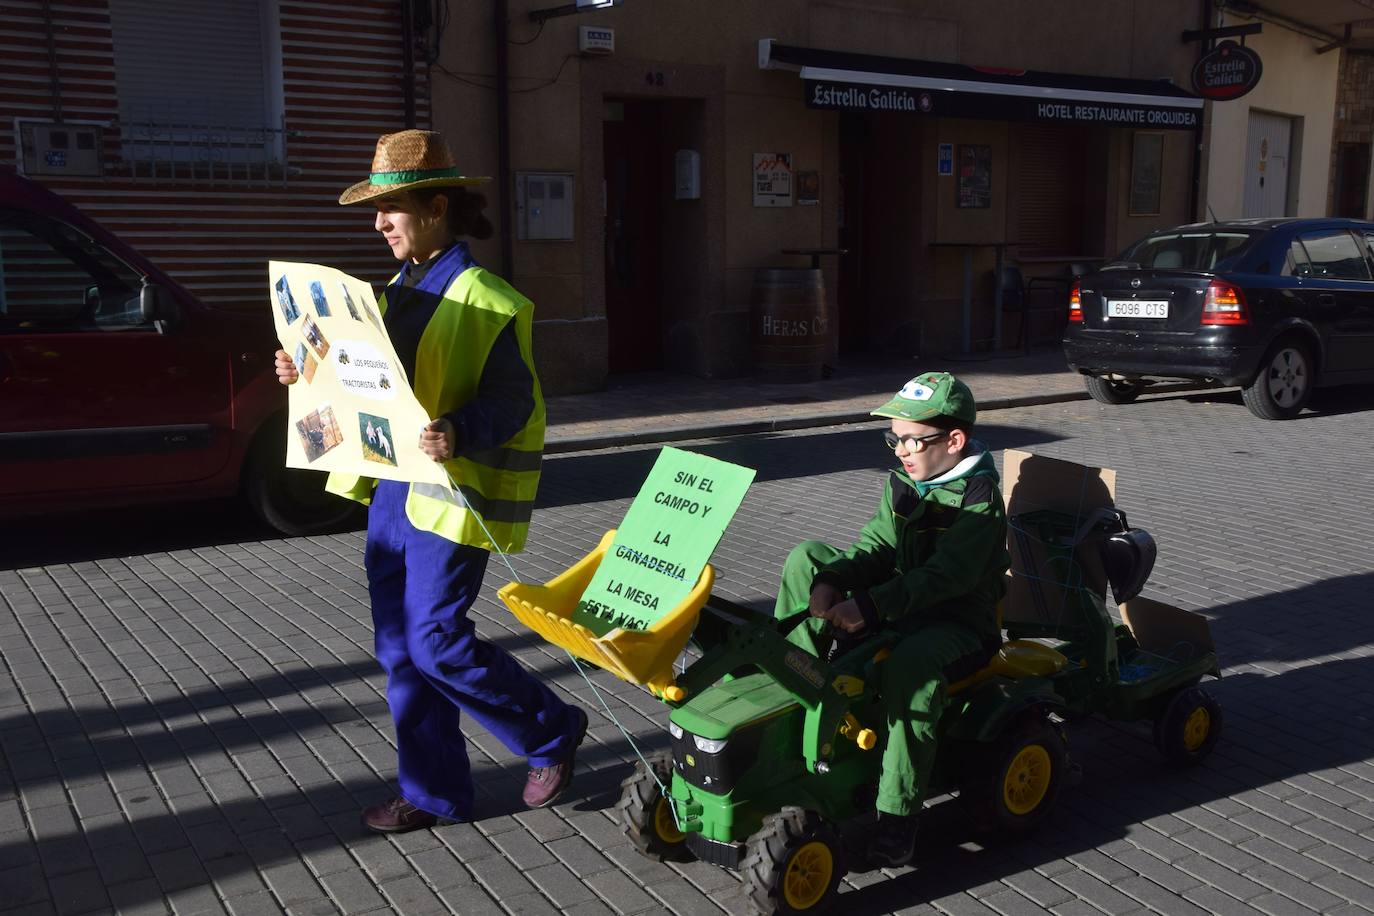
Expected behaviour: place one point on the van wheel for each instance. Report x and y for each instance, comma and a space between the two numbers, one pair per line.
1284, 383
1111, 391
291, 500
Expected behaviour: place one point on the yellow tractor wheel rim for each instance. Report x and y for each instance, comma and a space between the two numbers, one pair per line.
1196, 728
664, 825
807, 875
1027, 780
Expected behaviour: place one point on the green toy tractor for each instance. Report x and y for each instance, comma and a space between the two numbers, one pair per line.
774, 749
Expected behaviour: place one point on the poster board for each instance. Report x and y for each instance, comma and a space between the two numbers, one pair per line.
669, 532
975, 176
1033, 483
352, 410
772, 179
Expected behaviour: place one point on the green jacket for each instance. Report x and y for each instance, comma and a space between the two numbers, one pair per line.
935, 550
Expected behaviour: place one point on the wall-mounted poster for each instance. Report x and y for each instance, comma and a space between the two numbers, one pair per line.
1147, 168
808, 188
975, 176
772, 179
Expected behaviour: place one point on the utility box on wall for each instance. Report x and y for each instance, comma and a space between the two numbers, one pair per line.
544, 206
51, 148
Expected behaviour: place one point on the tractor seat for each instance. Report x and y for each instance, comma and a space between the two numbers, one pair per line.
1017, 658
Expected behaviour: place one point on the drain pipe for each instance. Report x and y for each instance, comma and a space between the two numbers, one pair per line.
503, 182
1195, 193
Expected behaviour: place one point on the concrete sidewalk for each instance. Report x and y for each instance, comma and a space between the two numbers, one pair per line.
662, 406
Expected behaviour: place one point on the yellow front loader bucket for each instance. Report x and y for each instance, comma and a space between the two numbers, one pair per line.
639, 656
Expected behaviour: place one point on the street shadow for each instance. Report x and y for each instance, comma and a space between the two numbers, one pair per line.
1322, 619
1272, 734
618, 474
1312, 718
1326, 402
873, 376
78, 537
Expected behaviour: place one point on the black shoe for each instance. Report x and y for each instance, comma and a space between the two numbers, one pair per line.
894, 841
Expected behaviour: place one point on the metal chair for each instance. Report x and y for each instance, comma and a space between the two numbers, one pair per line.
1016, 294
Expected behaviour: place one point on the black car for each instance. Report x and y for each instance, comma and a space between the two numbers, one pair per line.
1277, 306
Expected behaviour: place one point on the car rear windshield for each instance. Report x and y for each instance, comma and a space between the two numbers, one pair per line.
1187, 250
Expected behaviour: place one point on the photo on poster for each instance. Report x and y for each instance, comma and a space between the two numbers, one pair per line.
373, 316
348, 302
287, 302
376, 439
315, 337
319, 431
305, 363
317, 296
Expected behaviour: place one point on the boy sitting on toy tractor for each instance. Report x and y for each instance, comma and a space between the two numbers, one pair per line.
930, 564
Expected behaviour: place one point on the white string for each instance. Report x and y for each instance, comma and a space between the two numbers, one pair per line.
515, 577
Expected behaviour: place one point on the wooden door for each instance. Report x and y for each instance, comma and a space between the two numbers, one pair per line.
634, 255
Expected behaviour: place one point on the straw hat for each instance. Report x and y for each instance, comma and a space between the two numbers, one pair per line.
405, 161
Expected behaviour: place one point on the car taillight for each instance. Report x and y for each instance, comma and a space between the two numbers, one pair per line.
1225, 304
1076, 302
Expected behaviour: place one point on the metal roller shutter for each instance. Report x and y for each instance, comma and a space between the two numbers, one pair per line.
1049, 179
194, 62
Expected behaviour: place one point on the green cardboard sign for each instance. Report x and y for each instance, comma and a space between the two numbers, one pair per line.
661, 547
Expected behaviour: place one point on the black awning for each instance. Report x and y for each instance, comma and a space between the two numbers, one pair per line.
839, 80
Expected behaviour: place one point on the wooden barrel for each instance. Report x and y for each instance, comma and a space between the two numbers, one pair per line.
788, 331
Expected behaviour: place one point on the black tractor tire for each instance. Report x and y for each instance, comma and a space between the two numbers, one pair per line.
1111, 391
793, 864
1284, 383
1013, 782
291, 500
646, 816
1188, 727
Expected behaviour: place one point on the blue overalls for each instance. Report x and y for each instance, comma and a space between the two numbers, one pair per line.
421, 586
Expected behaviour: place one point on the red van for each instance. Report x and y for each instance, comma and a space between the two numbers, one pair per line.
118, 387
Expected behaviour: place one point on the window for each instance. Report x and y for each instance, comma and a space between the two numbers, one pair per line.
53, 277
1296, 263
1334, 255
1147, 170
1188, 250
198, 81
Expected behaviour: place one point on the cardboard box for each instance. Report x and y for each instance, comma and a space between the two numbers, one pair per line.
1039, 588
1042, 584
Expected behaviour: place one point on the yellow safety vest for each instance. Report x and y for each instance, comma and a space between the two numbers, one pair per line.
497, 484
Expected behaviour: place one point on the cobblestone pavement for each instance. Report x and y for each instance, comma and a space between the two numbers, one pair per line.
194, 726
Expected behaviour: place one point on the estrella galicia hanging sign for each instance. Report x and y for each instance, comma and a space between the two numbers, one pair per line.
1226, 72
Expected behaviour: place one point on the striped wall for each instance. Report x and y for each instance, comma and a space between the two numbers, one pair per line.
342, 87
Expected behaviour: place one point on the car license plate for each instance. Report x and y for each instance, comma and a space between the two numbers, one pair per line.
1137, 308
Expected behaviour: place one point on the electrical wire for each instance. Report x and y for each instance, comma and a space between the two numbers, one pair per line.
529, 41
480, 85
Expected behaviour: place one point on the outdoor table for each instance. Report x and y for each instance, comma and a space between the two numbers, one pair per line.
1001, 248
815, 254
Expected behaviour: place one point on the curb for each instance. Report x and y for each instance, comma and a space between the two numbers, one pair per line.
780, 424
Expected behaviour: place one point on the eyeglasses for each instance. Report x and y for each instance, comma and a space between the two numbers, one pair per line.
913, 444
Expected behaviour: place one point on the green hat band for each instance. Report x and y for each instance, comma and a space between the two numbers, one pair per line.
406, 177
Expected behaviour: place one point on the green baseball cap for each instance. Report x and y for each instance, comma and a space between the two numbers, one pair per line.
932, 394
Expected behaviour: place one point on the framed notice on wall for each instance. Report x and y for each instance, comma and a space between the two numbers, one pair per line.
975, 176
1147, 168
772, 179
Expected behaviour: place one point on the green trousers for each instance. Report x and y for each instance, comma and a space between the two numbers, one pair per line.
914, 679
